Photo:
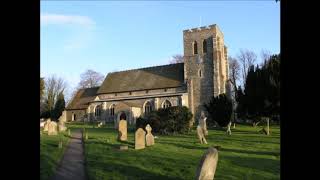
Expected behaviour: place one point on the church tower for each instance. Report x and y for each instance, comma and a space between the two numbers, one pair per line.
206, 66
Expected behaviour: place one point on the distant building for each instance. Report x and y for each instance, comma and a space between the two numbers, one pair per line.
133, 93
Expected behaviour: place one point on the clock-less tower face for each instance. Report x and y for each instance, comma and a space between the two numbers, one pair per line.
205, 65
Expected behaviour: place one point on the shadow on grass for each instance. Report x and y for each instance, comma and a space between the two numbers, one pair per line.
250, 152
116, 170
262, 164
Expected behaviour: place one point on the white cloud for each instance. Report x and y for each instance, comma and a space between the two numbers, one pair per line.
47, 18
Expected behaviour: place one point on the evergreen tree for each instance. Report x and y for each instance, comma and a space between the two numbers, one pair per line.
59, 106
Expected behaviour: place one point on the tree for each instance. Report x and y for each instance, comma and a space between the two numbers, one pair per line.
53, 87
265, 55
246, 58
234, 72
90, 79
59, 106
41, 87
178, 58
220, 109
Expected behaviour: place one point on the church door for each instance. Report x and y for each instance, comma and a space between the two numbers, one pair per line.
123, 116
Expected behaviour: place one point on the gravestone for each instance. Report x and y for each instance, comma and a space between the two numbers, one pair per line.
149, 136
203, 123
62, 126
46, 125
208, 165
63, 117
122, 132
52, 128
139, 140
229, 128
200, 134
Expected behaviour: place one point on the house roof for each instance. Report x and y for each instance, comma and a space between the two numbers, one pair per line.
82, 98
156, 77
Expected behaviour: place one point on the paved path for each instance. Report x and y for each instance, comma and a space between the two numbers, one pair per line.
72, 164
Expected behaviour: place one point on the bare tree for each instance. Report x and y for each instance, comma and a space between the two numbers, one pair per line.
265, 55
53, 87
234, 72
178, 58
246, 59
90, 79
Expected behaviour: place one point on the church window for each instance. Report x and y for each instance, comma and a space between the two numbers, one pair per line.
166, 104
200, 73
112, 110
147, 108
204, 46
195, 47
130, 93
97, 111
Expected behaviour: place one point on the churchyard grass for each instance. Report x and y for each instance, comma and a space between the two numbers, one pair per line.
50, 154
246, 154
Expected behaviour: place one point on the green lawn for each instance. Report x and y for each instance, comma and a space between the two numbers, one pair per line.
246, 154
50, 154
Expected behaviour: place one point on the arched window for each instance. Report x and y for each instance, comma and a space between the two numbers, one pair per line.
195, 48
200, 73
204, 46
147, 108
112, 110
97, 111
166, 104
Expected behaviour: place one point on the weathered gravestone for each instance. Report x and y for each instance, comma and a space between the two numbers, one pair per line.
63, 117
208, 165
122, 132
200, 133
149, 136
203, 123
139, 140
46, 125
62, 126
52, 128
229, 128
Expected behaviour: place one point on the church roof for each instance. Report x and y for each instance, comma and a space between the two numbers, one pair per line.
156, 77
82, 98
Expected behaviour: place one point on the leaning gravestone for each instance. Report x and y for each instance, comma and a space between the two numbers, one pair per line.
52, 128
229, 128
149, 136
140, 141
46, 125
200, 133
208, 165
122, 133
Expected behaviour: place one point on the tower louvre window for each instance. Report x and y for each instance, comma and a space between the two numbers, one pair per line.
204, 46
195, 47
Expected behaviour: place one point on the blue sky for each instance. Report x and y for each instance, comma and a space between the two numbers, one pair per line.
111, 36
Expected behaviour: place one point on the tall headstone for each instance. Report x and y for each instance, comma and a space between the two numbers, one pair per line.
139, 140
46, 125
208, 165
149, 136
52, 128
62, 126
122, 132
63, 117
229, 128
203, 123
200, 134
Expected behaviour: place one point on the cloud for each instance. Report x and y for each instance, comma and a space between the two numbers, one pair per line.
59, 19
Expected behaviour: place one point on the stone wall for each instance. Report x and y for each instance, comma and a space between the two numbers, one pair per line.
79, 115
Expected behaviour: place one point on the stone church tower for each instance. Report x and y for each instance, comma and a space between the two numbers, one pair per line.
206, 67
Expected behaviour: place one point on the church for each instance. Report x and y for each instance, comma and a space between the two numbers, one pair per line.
133, 93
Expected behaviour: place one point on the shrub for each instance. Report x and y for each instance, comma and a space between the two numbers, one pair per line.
220, 110
167, 121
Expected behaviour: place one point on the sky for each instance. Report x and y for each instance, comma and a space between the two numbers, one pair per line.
108, 36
